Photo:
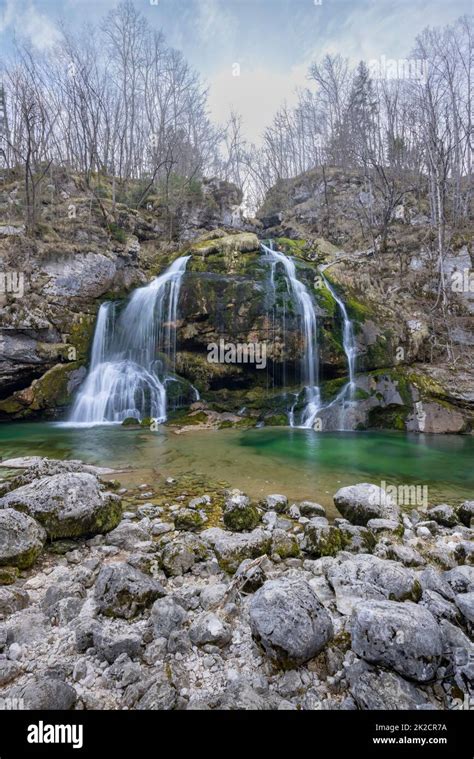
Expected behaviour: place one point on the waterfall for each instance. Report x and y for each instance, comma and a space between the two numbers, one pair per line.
349, 346
310, 358
133, 354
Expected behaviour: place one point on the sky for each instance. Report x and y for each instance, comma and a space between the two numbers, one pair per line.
252, 54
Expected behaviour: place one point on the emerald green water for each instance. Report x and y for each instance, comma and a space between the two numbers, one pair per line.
299, 463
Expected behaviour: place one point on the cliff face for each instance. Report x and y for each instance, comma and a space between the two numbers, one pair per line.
54, 283
414, 361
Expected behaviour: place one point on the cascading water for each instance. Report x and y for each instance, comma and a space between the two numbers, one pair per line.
346, 395
310, 359
133, 355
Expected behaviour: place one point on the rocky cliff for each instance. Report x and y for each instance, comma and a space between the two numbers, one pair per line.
414, 365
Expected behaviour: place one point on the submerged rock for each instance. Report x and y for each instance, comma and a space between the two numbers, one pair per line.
67, 505
21, 539
360, 503
289, 621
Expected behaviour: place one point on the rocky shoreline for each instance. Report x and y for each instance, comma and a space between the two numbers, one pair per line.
158, 598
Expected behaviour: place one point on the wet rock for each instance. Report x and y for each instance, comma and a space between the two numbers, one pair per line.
166, 616
275, 502
376, 689
232, 548
208, 628
240, 514
443, 515
311, 509
122, 591
67, 505
360, 503
288, 621
402, 636
21, 539
367, 577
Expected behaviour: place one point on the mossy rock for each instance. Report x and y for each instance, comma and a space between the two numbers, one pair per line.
189, 520
276, 420
8, 575
241, 518
131, 421
285, 545
323, 540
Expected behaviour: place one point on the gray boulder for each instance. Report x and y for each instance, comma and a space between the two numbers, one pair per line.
360, 503
209, 628
311, 509
376, 689
68, 505
180, 555
48, 694
166, 616
21, 539
367, 577
232, 548
402, 636
127, 535
443, 515
275, 502
466, 512
465, 604
123, 591
12, 600
288, 620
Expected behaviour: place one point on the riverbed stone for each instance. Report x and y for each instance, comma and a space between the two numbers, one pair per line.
365, 501
322, 539
402, 636
443, 515
365, 577
127, 535
21, 539
275, 502
466, 513
209, 628
376, 689
232, 548
166, 616
311, 509
123, 591
288, 620
67, 505
180, 555
240, 514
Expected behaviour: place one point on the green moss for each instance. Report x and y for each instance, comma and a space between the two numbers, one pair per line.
8, 575
391, 417
241, 518
189, 519
276, 420
324, 541
117, 232
131, 421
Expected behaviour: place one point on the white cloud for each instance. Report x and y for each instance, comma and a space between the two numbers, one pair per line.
256, 94
25, 20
